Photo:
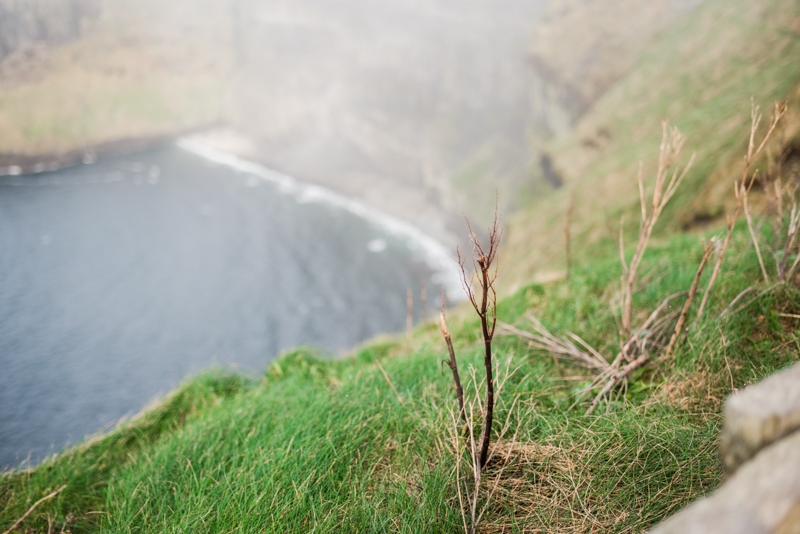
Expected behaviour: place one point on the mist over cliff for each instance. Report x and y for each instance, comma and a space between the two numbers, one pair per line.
420, 108
23, 23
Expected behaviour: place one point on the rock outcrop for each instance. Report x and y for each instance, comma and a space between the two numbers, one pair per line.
760, 450
758, 416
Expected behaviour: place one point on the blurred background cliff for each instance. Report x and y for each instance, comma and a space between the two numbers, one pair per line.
417, 107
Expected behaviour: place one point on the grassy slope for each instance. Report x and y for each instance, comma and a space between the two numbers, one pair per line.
700, 75
326, 446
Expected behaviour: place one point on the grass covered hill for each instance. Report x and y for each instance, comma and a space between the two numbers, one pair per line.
373, 442
329, 446
700, 76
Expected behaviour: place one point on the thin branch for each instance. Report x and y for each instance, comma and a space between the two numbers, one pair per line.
791, 234
754, 238
32, 508
780, 111
760, 294
542, 339
671, 144
457, 449
622, 246
734, 301
485, 266
739, 196
616, 379
452, 362
568, 233
741, 189
386, 376
679, 327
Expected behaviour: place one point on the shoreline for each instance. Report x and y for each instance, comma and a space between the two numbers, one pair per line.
428, 248
15, 164
227, 147
397, 200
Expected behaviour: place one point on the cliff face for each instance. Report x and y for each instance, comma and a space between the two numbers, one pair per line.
427, 99
415, 106
426, 106
578, 49
53, 21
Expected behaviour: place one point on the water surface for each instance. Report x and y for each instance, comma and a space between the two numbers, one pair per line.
120, 278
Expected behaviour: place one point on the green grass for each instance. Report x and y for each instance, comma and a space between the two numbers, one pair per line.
700, 75
325, 445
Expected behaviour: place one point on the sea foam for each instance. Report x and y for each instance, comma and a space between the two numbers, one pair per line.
445, 270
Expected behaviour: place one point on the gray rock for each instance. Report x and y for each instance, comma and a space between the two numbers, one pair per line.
763, 496
759, 415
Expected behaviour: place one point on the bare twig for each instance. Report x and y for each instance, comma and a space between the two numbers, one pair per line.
561, 347
32, 508
791, 234
613, 376
485, 305
741, 189
452, 362
743, 306
679, 327
671, 143
473, 499
754, 238
649, 332
725, 355
568, 233
457, 449
616, 379
386, 376
734, 301
740, 192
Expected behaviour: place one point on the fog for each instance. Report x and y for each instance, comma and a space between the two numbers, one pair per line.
425, 109
417, 107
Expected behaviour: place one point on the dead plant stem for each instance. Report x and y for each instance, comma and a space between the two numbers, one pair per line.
452, 363
32, 508
386, 376
679, 327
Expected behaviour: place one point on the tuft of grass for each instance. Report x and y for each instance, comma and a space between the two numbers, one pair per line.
87, 468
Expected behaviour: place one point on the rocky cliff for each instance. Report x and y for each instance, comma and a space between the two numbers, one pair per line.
418, 107
52, 21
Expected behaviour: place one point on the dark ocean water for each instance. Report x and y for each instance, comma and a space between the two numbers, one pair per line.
120, 278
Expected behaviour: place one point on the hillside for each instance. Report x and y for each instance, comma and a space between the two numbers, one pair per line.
372, 442
699, 75
127, 71
339, 446
414, 107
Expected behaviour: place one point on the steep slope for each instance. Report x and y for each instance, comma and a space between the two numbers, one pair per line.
417, 107
365, 443
700, 75
133, 70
